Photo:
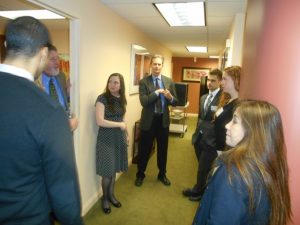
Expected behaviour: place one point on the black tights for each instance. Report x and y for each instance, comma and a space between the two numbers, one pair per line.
108, 186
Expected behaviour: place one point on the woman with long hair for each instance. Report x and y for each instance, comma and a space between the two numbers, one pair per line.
249, 184
229, 98
112, 139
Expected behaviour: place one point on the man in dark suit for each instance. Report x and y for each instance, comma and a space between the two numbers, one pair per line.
37, 161
156, 93
204, 137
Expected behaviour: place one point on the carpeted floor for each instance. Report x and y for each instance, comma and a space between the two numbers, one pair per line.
153, 203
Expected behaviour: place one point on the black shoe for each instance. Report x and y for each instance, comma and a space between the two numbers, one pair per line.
195, 198
116, 204
138, 181
188, 192
106, 209
164, 180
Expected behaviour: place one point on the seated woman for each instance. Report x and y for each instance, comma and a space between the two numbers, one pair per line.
249, 184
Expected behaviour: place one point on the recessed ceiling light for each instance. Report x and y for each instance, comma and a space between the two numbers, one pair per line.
200, 49
38, 14
138, 47
213, 56
182, 14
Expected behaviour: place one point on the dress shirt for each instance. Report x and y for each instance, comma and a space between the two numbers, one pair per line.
17, 71
45, 82
161, 85
213, 95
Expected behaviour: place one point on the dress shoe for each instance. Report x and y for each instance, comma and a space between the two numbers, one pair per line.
195, 198
188, 192
116, 204
138, 181
164, 180
106, 209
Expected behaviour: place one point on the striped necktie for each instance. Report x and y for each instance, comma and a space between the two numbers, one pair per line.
210, 96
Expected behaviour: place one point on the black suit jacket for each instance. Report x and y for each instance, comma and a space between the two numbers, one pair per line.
205, 127
148, 99
220, 122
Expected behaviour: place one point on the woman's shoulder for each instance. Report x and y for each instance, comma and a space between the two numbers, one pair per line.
228, 173
102, 98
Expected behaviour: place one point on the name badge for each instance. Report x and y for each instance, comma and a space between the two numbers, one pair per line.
219, 111
213, 108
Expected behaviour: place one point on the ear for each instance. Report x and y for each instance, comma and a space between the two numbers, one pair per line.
44, 52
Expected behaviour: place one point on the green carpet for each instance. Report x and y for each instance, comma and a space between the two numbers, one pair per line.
153, 203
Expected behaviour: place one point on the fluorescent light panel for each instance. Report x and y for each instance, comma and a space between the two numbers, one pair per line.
38, 14
183, 14
200, 49
213, 56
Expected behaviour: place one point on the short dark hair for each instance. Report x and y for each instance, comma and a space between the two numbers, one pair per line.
25, 36
51, 47
216, 72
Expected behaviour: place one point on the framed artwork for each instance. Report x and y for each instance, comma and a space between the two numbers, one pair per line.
140, 67
190, 74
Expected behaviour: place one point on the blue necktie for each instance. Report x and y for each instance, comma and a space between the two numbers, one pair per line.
158, 104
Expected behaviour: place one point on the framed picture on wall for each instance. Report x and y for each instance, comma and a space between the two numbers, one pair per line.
140, 67
191, 74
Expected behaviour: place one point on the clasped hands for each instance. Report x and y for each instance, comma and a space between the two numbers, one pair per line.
165, 92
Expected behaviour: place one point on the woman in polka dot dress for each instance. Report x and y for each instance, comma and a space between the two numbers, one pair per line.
112, 139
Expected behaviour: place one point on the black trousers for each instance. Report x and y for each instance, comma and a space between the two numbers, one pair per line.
206, 157
161, 135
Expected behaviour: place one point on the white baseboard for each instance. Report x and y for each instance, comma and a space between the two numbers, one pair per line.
95, 197
91, 202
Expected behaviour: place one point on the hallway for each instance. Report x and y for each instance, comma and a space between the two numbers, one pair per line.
153, 203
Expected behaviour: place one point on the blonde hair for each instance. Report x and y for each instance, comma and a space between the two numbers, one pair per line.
260, 157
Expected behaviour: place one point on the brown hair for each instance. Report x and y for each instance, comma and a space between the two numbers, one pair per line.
157, 56
260, 158
235, 73
216, 72
122, 92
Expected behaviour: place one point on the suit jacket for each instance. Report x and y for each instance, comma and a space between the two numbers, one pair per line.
61, 80
37, 159
148, 99
205, 127
228, 203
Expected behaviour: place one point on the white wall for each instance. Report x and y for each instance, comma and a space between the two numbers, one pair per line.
104, 44
236, 40
60, 38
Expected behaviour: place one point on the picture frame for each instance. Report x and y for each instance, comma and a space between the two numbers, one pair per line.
194, 74
140, 67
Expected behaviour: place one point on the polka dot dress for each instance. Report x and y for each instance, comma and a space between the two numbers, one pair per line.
111, 148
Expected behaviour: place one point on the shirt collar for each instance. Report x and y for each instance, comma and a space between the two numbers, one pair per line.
16, 71
154, 77
214, 92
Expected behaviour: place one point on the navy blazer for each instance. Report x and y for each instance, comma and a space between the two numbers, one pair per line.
37, 159
228, 204
148, 99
